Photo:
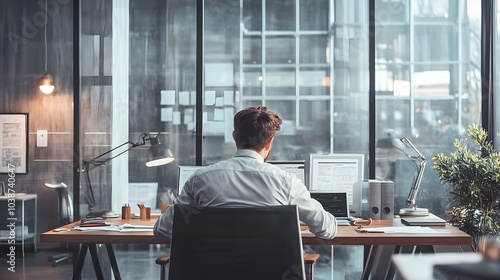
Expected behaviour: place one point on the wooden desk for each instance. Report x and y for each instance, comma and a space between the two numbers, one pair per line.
346, 235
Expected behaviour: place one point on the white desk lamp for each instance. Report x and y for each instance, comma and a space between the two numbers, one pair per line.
420, 161
158, 154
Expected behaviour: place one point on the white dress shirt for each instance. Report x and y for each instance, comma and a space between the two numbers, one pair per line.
246, 180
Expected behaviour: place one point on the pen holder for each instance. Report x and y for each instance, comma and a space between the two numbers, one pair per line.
148, 213
142, 213
126, 212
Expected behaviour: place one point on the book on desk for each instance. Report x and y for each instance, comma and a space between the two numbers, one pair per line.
431, 220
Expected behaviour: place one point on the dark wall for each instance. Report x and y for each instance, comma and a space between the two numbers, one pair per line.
22, 60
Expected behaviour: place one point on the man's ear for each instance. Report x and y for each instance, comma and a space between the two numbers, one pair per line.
234, 136
269, 143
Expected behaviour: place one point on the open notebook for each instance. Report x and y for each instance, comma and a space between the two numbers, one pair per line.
336, 204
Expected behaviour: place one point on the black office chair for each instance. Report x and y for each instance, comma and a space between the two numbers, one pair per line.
236, 243
65, 213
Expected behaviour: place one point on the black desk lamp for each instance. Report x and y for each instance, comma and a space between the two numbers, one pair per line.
158, 154
420, 161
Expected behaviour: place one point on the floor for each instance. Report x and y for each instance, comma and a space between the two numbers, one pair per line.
138, 262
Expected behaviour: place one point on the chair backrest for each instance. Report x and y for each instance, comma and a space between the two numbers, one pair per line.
64, 202
236, 243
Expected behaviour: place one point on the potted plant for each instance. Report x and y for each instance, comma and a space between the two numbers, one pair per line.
473, 171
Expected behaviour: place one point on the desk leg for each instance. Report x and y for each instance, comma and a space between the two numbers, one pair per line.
391, 271
369, 259
95, 261
77, 270
112, 260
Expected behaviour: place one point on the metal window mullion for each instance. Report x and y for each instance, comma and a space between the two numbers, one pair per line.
241, 82
199, 83
412, 65
264, 32
297, 57
372, 93
460, 65
332, 68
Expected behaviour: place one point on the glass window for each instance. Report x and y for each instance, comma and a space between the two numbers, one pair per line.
427, 88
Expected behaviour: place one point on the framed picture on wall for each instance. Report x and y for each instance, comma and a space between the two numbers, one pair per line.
14, 143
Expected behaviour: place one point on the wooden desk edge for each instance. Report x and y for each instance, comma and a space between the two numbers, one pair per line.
345, 236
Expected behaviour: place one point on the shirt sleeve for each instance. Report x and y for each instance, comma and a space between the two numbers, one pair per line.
163, 226
311, 212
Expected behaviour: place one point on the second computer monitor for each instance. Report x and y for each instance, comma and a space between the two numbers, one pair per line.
185, 172
339, 173
294, 167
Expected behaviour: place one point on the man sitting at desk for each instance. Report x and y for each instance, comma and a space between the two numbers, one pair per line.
246, 180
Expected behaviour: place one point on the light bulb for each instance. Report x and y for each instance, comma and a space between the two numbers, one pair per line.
47, 84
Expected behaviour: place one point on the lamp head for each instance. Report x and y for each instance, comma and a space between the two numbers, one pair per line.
158, 154
47, 84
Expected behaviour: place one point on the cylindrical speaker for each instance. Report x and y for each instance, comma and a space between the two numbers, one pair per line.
387, 201
374, 199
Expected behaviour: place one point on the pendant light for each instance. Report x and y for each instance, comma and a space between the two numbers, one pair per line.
46, 82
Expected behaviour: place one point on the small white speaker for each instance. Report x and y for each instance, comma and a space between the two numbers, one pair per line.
387, 200
374, 199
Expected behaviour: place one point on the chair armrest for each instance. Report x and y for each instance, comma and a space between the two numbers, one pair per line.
309, 262
163, 260
311, 258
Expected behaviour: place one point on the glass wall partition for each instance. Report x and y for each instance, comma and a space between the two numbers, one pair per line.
428, 87
137, 76
306, 61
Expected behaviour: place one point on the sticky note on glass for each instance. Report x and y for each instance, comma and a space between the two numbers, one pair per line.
219, 101
218, 114
188, 116
166, 114
167, 97
228, 97
176, 118
210, 98
193, 97
184, 98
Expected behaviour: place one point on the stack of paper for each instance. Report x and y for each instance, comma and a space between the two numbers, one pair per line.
431, 220
118, 228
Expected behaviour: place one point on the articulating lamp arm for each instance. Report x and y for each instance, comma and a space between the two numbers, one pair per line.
411, 200
97, 161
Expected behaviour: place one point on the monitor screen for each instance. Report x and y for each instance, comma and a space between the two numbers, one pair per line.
333, 202
184, 173
338, 173
294, 167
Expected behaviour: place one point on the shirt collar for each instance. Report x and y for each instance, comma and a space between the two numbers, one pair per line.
249, 153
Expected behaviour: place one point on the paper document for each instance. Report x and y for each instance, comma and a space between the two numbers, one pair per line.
137, 226
414, 229
118, 228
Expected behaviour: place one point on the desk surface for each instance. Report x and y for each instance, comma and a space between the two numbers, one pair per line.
346, 235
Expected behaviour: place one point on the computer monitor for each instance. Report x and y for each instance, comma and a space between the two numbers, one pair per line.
294, 167
184, 173
339, 173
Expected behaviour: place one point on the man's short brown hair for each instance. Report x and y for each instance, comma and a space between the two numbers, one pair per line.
254, 126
